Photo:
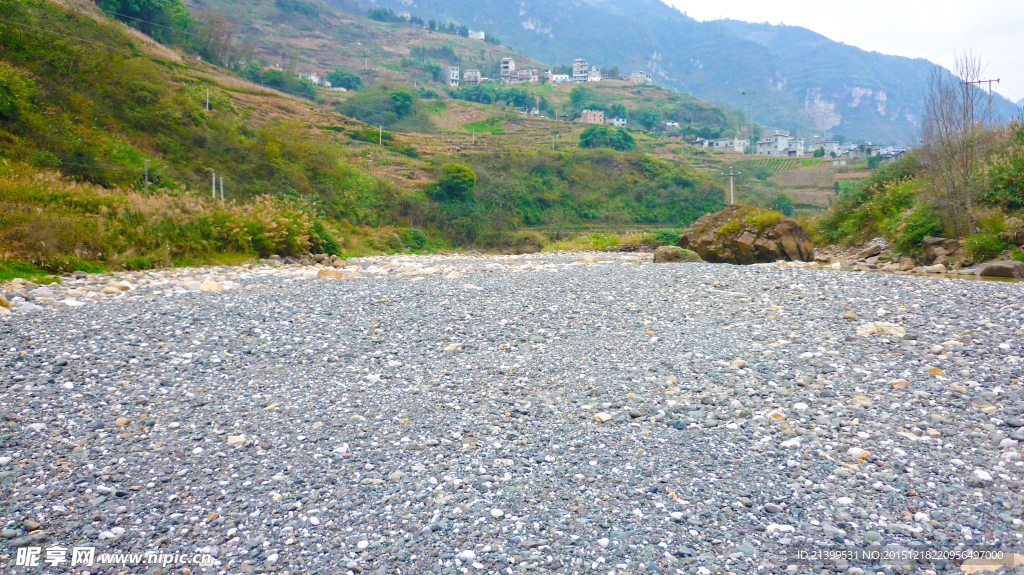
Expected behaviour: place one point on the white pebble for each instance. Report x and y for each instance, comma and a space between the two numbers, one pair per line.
496, 513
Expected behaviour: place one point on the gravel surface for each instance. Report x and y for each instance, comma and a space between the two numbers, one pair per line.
547, 413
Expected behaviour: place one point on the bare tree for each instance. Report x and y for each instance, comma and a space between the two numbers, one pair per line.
952, 137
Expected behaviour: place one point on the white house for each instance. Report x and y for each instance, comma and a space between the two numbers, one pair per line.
580, 72
639, 77
477, 35
312, 77
405, 15
471, 76
830, 147
617, 122
671, 124
453, 76
559, 78
729, 144
780, 145
594, 74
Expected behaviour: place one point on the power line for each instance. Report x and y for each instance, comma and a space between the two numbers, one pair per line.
134, 53
149, 22
1012, 44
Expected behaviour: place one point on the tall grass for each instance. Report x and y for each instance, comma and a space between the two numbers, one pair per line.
54, 221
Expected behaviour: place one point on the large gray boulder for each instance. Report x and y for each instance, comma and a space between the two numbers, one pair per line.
1008, 269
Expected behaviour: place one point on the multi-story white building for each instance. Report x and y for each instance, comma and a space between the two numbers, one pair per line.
477, 35
780, 145
453, 76
617, 122
471, 76
580, 72
508, 66
594, 74
830, 147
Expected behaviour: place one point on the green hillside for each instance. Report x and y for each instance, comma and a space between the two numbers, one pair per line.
92, 110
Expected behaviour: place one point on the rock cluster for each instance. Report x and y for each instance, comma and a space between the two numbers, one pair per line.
747, 235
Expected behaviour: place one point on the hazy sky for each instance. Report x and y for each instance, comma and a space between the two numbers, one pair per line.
931, 29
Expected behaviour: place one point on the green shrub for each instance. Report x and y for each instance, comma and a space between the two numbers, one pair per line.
919, 224
763, 219
605, 137
409, 151
992, 223
413, 238
529, 242
321, 241
730, 227
344, 79
394, 242
139, 263
44, 159
663, 237
456, 183
981, 247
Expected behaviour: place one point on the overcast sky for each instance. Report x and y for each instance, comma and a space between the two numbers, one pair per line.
931, 29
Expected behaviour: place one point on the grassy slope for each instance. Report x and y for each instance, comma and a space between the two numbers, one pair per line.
84, 111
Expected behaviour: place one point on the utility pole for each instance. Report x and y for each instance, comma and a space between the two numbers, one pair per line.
222, 188
147, 179
380, 135
750, 119
731, 174
214, 192
207, 98
552, 142
474, 136
989, 82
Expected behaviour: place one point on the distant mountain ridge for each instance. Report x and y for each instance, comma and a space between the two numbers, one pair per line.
800, 80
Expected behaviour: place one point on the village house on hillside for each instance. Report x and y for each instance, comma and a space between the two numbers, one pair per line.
511, 75
471, 76
865, 151
728, 144
508, 65
314, 78
453, 76
639, 77
592, 117
477, 35
617, 122
780, 145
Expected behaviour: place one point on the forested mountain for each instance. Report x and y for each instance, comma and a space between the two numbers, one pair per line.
801, 80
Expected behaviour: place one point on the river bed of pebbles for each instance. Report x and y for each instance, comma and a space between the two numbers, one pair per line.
550, 413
